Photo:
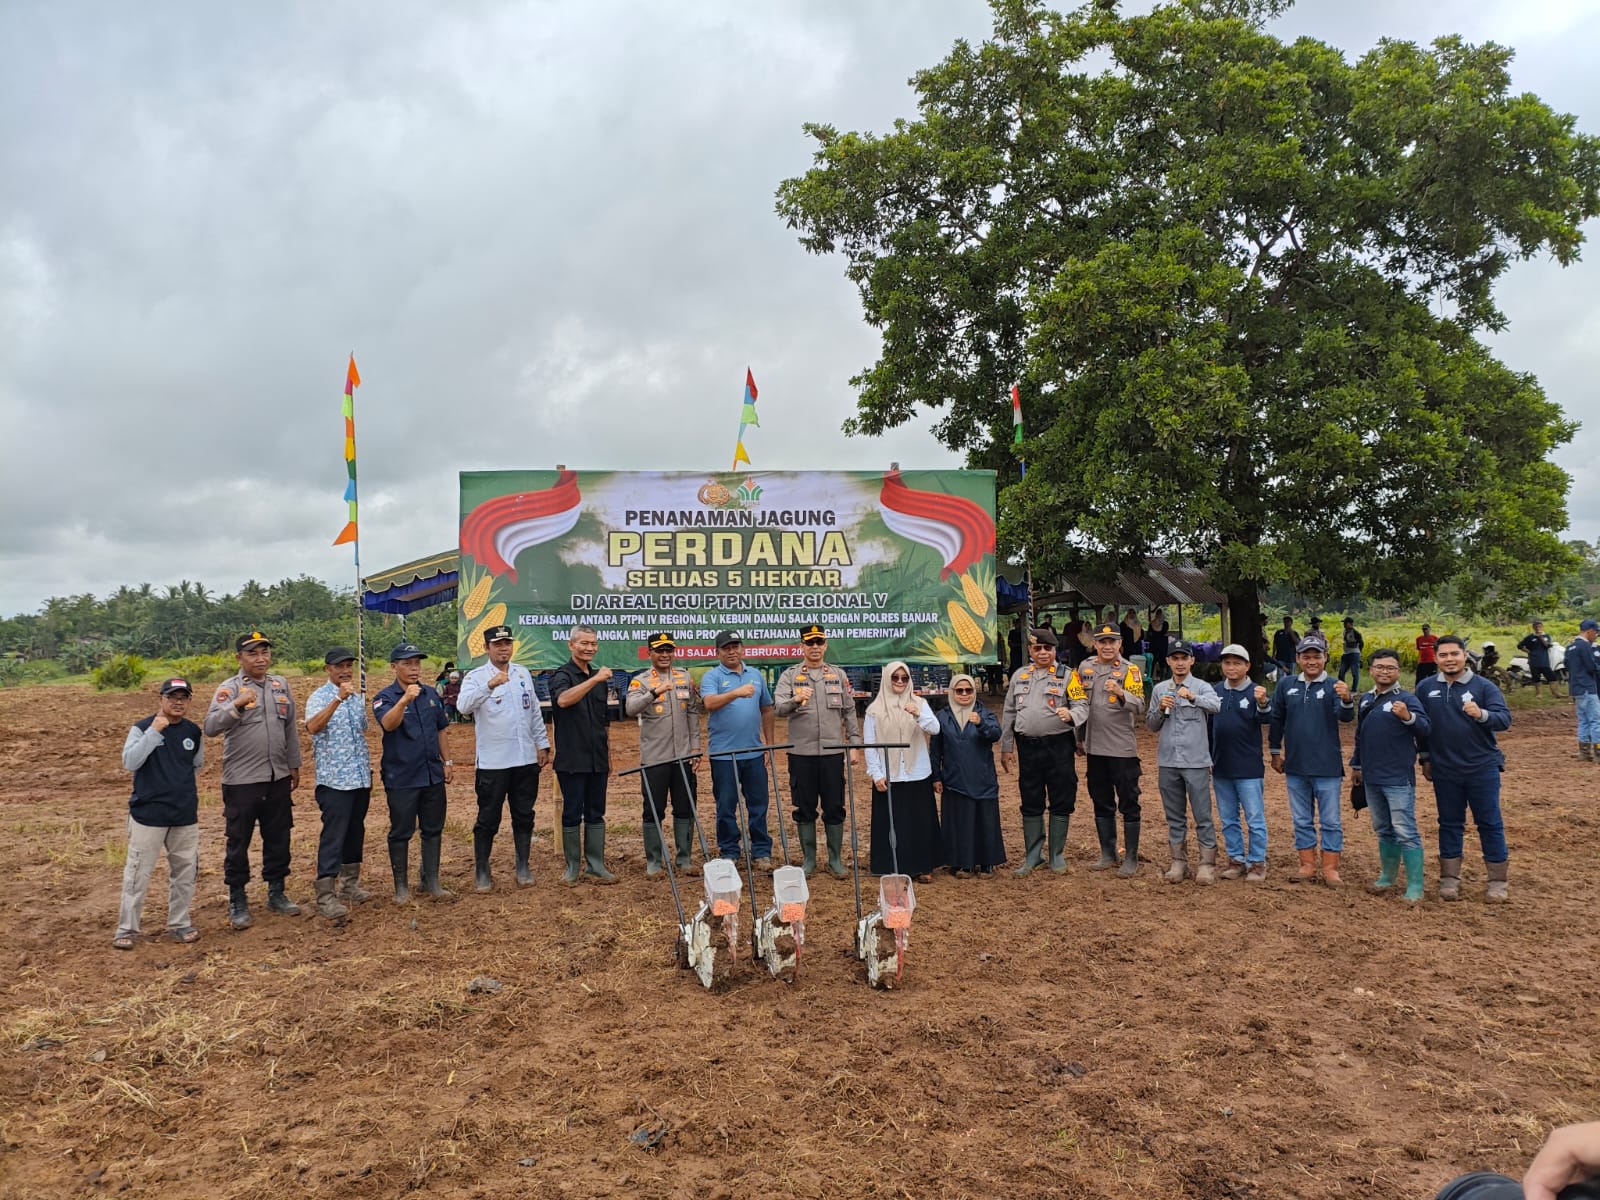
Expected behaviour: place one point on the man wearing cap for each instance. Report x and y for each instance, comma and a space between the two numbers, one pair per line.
1391, 724
336, 719
740, 715
512, 745
1107, 694
1180, 710
164, 752
1537, 644
1238, 769
1306, 711
1353, 644
1583, 685
1464, 762
253, 713
1036, 727
821, 707
583, 757
666, 700
415, 767
1426, 641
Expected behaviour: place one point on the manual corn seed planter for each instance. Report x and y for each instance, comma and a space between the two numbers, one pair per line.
883, 934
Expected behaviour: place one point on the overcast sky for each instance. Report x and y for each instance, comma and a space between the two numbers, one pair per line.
545, 229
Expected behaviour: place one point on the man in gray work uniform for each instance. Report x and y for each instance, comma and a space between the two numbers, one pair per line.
1036, 725
1180, 710
1107, 694
667, 702
253, 713
821, 706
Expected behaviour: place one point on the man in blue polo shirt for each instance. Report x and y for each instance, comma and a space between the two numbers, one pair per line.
415, 769
1306, 711
740, 708
1390, 725
1464, 762
1583, 685
1238, 771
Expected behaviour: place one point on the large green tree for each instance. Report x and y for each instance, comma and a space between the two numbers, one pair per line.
1242, 283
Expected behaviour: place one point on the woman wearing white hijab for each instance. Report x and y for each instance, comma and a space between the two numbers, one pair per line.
964, 778
898, 714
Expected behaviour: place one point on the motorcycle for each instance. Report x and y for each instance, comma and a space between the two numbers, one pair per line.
1517, 668
1487, 664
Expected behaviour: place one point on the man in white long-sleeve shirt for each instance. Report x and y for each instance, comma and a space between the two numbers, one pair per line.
513, 744
164, 751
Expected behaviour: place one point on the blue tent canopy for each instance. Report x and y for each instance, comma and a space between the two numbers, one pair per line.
413, 585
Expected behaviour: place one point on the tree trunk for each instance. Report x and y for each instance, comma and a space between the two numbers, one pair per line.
1247, 625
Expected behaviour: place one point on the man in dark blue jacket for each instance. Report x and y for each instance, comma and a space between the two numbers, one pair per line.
415, 767
1306, 711
1238, 770
1583, 685
1464, 762
1390, 722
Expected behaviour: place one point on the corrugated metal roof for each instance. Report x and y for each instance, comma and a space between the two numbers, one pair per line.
1164, 582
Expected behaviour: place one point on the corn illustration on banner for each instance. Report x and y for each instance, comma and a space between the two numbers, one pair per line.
894, 565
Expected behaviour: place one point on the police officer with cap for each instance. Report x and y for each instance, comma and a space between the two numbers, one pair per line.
512, 746
667, 702
253, 713
1107, 693
415, 769
1036, 726
821, 706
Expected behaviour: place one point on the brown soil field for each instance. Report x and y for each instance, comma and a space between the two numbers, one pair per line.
1076, 1036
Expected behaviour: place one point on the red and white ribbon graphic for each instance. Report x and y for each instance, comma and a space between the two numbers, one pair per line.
498, 530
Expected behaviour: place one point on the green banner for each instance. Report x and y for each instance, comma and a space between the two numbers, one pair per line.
893, 565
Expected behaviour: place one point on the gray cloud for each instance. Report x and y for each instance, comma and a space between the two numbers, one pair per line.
546, 231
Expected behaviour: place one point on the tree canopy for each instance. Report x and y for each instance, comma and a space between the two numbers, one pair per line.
1242, 284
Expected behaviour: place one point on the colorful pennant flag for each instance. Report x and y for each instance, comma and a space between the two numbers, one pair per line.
1016, 421
747, 418
352, 380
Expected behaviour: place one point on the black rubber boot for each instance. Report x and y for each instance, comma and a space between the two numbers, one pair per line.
1033, 839
835, 838
280, 903
1058, 843
239, 909
572, 851
1105, 829
522, 840
808, 846
1130, 850
652, 849
398, 868
482, 844
594, 852
683, 839
429, 876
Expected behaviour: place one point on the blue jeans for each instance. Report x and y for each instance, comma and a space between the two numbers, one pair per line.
1394, 813
1314, 799
1232, 796
1351, 662
1588, 716
728, 779
1481, 793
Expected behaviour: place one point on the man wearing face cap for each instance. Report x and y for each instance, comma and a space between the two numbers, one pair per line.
1107, 694
667, 702
336, 719
415, 769
821, 707
1036, 727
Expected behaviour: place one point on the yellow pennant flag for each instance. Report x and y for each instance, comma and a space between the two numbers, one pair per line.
739, 455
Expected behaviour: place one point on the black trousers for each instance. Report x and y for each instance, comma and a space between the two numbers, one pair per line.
583, 797
817, 780
344, 827
1047, 774
411, 808
244, 806
663, 779
513, 787
1114, 785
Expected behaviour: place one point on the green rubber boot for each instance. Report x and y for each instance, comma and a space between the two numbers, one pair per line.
652, 849
683, 840
1388, 866
1058, 843
1413, 865
1033, 839
835, 836
808, 846
594, 852
572, 851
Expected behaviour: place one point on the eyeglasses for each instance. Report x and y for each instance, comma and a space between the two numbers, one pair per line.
959, 690
900, 677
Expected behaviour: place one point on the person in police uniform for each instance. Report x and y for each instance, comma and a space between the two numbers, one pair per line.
512, 747
1036, 727
415, 767
821, 706
667, 702
1107, 693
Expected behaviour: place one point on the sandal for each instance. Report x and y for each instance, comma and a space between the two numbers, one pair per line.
124, 941
187, 934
